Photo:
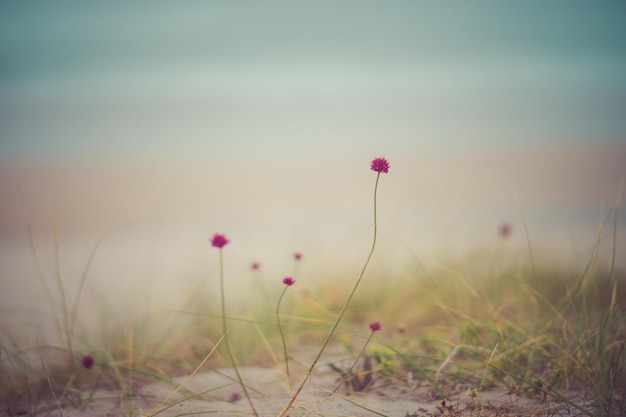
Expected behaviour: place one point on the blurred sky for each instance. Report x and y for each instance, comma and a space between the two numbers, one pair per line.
198, 79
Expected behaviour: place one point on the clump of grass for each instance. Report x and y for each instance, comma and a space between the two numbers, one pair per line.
518, 342
43, 370
533, 330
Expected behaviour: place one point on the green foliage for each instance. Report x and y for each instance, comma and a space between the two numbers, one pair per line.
386, 360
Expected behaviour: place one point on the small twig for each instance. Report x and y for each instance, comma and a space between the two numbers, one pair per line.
355, 383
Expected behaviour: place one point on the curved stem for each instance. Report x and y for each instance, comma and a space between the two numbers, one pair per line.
282, 334
348, 374
61, 288
341, 313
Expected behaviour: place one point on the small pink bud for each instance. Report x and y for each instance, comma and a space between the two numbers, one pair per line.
505, 230
87, 361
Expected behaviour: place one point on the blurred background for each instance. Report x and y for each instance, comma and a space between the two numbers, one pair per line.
157, 125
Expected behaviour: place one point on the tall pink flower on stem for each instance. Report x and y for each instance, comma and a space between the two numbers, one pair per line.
255, 266
219, 241
288, 281
378, 165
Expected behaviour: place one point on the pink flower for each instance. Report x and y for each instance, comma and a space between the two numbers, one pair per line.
288, 281
375, 326
219, 241
505, 230
297, 255
234, 397
255, 265
380, 165
87, 361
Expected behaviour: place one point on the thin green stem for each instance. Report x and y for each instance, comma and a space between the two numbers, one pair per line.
280, 329
154, 411
339, 317
40, 273
525, 224
618, 200
83, 279
61, 288
348, 374
229, 351
296, 268
223, 296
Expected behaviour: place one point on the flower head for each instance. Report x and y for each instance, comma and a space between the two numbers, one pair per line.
375, 326
219, 241
380, 165
255, 265
297, 256
505, 230
87, 361
288, 281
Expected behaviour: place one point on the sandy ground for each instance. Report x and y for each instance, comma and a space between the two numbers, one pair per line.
271, 393
216, 393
